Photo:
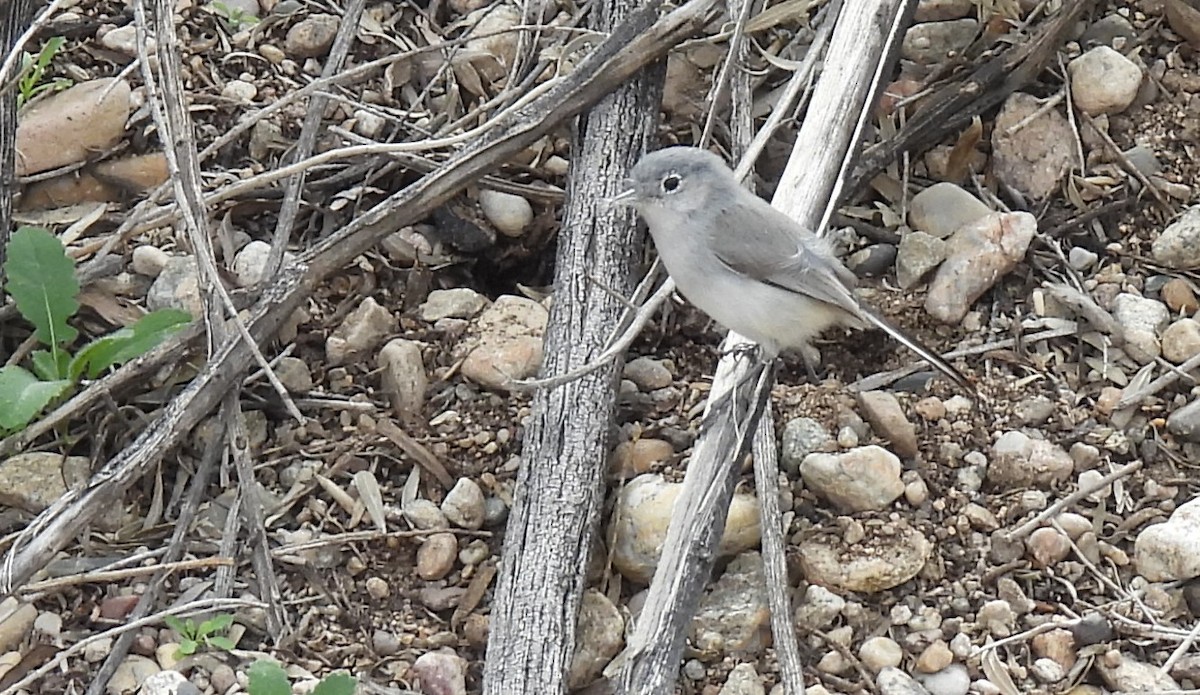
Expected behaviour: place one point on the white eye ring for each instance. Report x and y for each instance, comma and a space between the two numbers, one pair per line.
671, 182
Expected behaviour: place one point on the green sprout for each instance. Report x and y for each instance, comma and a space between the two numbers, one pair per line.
33, 70
42, 281
209, 633
236, 19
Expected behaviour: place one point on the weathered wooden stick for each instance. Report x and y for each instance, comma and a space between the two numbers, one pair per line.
866, 34
560, 487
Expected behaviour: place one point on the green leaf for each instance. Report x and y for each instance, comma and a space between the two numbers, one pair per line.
335, 684
187, 647
28, 79
217, 623
128, 343
23, 396
53, 45
41, 280
268, 678
221, 642
50, 365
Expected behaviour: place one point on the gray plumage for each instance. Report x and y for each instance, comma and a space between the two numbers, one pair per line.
744, 263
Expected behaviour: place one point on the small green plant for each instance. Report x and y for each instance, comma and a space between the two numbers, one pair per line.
235, 18
33, 70
42, 282
209, 633
269, 678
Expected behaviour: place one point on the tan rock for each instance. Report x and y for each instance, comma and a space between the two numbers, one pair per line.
73, 125
935, 657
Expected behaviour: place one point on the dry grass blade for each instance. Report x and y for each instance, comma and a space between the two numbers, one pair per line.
419, 453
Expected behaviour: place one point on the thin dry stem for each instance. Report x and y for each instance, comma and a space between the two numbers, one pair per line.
1084, 490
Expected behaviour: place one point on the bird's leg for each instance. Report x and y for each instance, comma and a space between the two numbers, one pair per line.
811, 357
726, 405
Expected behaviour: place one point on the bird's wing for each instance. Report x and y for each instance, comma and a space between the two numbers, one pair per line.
772, 250
798, 261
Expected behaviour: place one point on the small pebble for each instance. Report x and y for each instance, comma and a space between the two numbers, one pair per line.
997, 617
48, 624
510, 214
935, 657
648, 374
1181, 340
916, 492
273, 54
1048, 547
1103, 81
933, 42
440, 672
239, 90
931, 409
631, 459
385, 643
425, 515
878, 653
464, 505
476, 552
1047, 670
124, 40
458, 303
1080, 258
436, 556
222, 679
1178, 295
149, 260
1178, 246
377, 588
952, 680
312, 36
368, 123
833, 662
1084, 456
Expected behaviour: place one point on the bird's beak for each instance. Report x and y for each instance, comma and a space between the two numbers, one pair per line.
625, 198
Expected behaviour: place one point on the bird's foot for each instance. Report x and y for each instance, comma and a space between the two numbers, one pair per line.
752, 351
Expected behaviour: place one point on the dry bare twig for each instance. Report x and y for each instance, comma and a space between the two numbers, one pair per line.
294, 186
1136, 395
170, 114
1084, 490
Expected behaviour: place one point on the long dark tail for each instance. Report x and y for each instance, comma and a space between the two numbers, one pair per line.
916, 346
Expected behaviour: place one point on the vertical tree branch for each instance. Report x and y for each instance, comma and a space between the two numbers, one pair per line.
560, 487
14, 18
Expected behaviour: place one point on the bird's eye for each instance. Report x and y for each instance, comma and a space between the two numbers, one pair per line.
671, 182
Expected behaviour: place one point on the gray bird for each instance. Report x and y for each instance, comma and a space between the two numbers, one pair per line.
745, 264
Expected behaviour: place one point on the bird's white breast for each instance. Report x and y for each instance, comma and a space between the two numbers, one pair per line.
775, 318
